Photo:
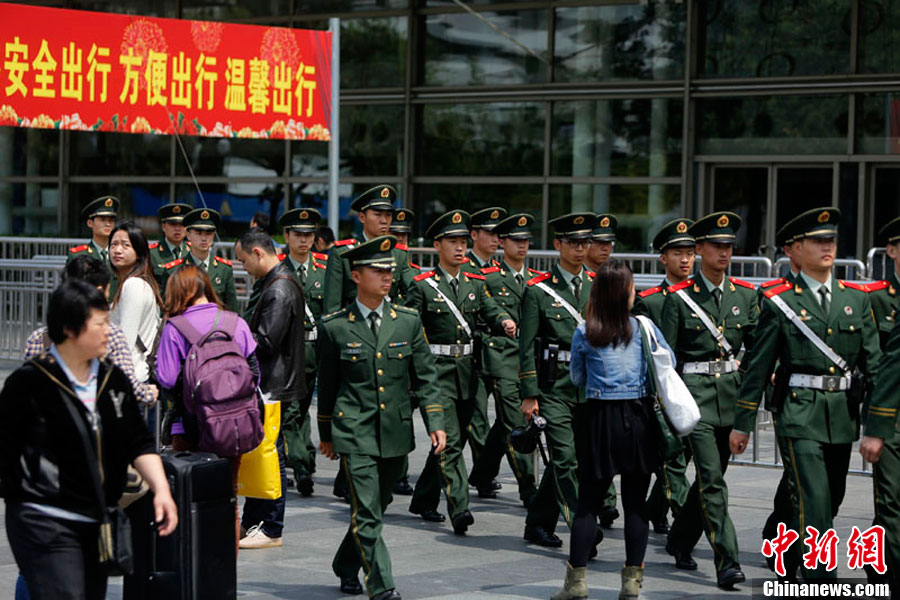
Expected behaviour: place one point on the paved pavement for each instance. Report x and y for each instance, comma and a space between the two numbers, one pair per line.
492, 562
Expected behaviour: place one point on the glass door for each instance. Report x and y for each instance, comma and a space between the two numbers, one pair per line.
743, 190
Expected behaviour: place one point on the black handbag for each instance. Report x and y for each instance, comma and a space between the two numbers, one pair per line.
669, 444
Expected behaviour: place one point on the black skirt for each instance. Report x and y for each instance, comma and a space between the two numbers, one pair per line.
614, 437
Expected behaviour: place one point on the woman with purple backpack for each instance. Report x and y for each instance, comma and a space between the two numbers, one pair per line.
189, 293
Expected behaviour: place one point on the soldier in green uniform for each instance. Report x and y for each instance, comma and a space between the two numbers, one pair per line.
820, 330
676, 253
299, 227
173, 245
371, 353
552, 307
706, 319
484, 245
374, 208
506, 284
201, 224
450, 301
100, 218
886, 482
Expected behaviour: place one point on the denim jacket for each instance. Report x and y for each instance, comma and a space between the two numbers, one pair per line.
611, 372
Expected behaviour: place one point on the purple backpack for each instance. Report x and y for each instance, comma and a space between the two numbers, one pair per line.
219, 389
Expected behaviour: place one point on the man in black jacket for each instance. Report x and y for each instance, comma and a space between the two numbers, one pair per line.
276, 321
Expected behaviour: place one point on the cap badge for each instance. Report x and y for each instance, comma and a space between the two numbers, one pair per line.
385, 245
723, 221
578, 220
108, 203
523, 221
824, 216
204, 215
848, 310
681, 227
604, 222
303, 215
456, 218
176, 210
401, 216
495, 214
385, 192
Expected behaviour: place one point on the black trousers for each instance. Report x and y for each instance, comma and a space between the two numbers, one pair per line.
58, 558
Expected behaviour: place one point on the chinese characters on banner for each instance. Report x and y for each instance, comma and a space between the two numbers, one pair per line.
88, 71
864, 548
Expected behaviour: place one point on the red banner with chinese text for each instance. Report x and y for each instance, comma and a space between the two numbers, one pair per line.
90, 71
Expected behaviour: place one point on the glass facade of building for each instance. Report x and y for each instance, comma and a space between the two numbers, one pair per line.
649, 109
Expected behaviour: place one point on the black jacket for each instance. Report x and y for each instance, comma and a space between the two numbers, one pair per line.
42, 456
277, 326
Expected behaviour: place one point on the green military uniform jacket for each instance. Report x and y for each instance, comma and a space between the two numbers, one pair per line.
441, 326
501, 353
885, 402
92, 249
160, 255
649, 302
544, 317
220, 274
314, 294
849, 328
364, 402
885, 298
339, 287
736, 318
473, 264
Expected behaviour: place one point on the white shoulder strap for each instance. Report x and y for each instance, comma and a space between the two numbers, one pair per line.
569, 308
453, 309
707, 322
810, 334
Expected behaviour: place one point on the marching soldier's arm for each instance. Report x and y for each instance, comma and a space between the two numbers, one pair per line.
760, 362
334, 283
750, 329
640, 307
870, 358
404, 280
329, 378
229, 297
671, 320
530, 321
423, 377
881, 414
490, 311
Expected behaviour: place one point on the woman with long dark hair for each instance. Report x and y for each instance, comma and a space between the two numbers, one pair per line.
136, 305
617, 435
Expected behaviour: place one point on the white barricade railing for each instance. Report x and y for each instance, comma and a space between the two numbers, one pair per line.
878, 264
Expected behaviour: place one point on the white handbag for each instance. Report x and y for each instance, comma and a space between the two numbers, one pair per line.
674, 396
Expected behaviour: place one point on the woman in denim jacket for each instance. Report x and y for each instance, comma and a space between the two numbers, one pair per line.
617, 434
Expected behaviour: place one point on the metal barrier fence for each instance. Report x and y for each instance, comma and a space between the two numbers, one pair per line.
844, 268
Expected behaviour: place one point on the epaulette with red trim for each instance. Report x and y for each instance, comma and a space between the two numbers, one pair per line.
415, 266
402, 247
539, 278
876, 286
777, 290
742, 283
489, 270
347, 242
80, 248
320, 265
681, 286
494, 262
774, 282
590, 274
224, 261
319, 255
422, 276
281, 256
173, 264
855, 286
650, 292
535, 271
465, 260
153, 245
475, 276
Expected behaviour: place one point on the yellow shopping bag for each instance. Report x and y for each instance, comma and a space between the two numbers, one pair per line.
259, 475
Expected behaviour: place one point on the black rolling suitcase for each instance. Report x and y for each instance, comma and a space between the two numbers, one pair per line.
197, 561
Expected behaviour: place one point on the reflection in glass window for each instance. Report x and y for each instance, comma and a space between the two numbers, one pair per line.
744, 191
461, 49
337, 6
232, 157
502, 138
29, 151
766, 38
29, 208
235, 203
878, 124
640, 209
373, 52
146, 8
773, 125
620, 41
218, 10
600, 138
95, 153
879, 31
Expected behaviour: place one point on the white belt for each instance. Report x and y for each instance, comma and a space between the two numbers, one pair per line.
712, 367
455, 350
311, 336
562, 355
829, 383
